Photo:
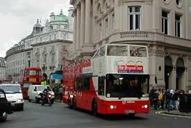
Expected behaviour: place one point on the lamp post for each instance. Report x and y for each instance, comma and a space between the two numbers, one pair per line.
51, 71
43, 68
44, 74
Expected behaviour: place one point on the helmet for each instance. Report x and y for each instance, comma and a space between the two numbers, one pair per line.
172, 91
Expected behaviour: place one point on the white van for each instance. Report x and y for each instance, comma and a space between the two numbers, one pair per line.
14, 95
34, 92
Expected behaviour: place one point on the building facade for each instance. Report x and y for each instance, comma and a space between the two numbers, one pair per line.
45, 47
2, 69
162, 25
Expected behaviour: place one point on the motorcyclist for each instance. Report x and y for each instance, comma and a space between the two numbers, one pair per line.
45, 92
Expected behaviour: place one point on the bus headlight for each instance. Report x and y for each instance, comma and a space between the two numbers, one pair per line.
113, 107
145, 106
71, 96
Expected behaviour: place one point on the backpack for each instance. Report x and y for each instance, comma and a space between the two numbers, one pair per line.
160, 97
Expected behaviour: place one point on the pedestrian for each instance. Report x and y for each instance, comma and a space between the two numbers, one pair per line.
161, 99
151, 93
167, 98
176, 98
172, 102
60, 92
155, 99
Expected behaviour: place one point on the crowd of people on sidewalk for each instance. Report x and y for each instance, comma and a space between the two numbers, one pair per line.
58, 90
165, 98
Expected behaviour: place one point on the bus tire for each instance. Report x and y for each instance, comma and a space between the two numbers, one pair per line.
94, 108
29, 100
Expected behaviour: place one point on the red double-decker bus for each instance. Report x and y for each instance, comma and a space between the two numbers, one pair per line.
114, 81
31, 75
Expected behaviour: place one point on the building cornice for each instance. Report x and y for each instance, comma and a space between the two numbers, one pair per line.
50, 32
19, 51
122, 2
52, 42
145, 37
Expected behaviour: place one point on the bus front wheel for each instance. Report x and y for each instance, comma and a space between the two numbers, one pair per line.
94, 108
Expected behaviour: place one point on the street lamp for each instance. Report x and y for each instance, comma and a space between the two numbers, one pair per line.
51, 71
43, 68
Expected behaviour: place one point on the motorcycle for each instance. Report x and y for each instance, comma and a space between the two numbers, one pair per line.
47, 98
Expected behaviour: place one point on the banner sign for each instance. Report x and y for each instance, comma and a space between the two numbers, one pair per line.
130, 68
57, 76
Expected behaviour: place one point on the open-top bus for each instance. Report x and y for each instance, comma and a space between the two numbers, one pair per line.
31, 75
114, 81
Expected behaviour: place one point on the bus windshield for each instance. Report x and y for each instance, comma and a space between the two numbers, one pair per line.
125, 85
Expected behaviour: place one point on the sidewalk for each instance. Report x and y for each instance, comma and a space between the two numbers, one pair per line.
174, 112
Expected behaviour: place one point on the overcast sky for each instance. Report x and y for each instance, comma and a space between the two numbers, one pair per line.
17, 18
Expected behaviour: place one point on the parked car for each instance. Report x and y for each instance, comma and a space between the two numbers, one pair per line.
14, 95
5, 106
34, 92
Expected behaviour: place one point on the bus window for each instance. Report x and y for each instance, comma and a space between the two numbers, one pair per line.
101, 86
96, 54
26, 72
102, 51
86, 84
115, 50
78, 84
138, 51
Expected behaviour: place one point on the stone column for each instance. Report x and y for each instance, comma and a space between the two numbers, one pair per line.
87, 21
82, 23
75, 32
156, 15
78, 28
172, 78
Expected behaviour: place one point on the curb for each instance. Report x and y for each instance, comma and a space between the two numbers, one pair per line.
181, 115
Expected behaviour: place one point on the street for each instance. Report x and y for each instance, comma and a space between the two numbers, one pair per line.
58, 115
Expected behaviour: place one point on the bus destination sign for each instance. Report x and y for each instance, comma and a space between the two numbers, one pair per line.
130, 68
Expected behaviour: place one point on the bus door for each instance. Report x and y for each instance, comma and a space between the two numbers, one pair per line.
79, 92
101, 86
87, 94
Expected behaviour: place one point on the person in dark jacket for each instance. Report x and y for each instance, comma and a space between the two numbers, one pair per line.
155, 99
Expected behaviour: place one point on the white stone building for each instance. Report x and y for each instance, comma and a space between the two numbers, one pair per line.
162, 25
44, 47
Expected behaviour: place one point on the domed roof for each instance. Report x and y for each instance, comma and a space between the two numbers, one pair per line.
37, 25
60, 18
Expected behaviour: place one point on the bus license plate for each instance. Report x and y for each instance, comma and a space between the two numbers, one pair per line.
129, 111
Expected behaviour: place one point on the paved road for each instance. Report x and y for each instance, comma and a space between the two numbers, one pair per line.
59, 116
